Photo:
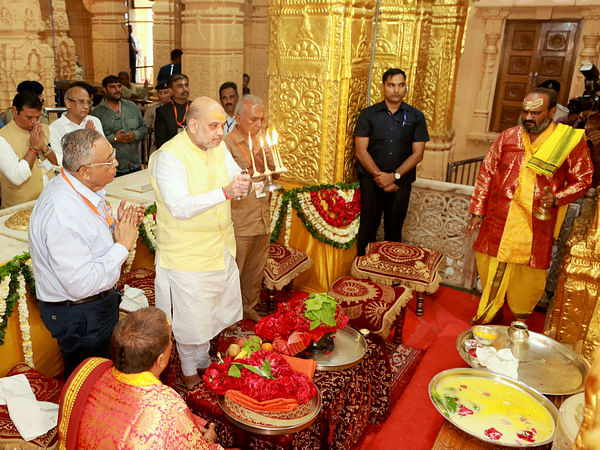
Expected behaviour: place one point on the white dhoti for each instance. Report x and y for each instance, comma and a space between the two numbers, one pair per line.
199, 306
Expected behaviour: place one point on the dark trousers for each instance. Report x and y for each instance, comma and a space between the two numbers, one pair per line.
82, 330
373, 202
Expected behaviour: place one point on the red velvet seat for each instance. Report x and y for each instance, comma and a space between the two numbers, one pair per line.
389, 263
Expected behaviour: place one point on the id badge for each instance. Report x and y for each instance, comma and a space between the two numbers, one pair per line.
259, 187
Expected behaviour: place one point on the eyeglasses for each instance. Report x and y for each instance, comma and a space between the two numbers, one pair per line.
113, 159
81, 102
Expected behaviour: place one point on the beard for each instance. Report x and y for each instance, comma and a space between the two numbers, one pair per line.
531, 127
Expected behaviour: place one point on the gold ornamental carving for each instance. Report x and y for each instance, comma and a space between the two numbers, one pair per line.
319, 56
574, 317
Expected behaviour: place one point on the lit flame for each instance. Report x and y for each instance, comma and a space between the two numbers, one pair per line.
275, 137
250, 141
262, 143
269, 141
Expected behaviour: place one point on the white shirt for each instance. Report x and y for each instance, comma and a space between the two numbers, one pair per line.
230, 122
16, 170
72, 248
171, 177
63, 125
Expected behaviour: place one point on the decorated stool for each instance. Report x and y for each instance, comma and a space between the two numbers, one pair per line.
371, 305
45, 389
396, 262
283, 265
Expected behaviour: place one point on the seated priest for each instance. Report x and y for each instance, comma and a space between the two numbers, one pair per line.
122, 403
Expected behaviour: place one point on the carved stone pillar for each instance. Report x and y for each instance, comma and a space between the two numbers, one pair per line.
80, 30
166, 31
256, 48
318, 74
23, 54
494, 26
213, 44
109, 37
65, 47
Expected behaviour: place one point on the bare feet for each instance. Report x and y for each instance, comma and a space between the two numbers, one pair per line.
191, 381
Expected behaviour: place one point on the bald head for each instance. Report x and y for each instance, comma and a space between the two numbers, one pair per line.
205, 123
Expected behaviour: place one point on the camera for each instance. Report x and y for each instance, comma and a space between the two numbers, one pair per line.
589, 101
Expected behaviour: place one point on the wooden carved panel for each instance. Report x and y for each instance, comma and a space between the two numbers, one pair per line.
533, 52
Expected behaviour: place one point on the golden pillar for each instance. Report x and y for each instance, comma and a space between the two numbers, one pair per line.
319, 60
213, 44
256, 47
424, 39
574, 315
23, 53
65, 46
110, 37
166, 31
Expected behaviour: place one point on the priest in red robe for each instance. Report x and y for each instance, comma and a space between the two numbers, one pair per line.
513, 248
121, 403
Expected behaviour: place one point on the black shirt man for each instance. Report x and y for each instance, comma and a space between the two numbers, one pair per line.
389, 141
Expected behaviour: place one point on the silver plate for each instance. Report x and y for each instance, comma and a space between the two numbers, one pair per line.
544, 364
272, 430
349, 349
503, 380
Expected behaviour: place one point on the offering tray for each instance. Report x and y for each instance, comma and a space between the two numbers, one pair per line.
255, 422
546, 365
349, 349
494, 408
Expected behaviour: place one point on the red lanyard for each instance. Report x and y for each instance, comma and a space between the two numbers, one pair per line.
108, 219
180, 124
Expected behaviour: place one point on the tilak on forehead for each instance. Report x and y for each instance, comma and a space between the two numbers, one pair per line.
215, 113
532, 104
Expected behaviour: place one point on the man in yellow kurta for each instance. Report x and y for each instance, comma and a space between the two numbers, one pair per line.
26, 160
197, 280
513, 248
122, 404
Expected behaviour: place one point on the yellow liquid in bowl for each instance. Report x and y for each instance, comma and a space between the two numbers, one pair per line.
492, 410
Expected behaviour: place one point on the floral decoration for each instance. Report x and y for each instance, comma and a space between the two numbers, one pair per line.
15, 276
292, 327
330, 212
282, 382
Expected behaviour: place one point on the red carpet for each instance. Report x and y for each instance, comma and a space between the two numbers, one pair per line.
413, 422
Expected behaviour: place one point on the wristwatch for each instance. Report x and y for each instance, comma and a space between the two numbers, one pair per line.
397, 177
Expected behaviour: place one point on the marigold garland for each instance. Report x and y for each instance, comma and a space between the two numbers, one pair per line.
330, 213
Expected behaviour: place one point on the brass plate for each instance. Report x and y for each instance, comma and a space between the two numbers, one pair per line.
505, 382
263, 429
349, 350
544, 364
19, 221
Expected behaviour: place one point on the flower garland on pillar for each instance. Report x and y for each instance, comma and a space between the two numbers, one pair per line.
330, 212
24, 322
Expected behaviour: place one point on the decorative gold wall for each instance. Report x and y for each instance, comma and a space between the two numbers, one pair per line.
319, 65
574, 315
318, 72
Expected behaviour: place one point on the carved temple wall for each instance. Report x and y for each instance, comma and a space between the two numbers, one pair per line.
480, 60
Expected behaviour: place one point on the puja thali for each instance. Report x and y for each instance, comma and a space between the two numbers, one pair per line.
494, 408
261, 422
546, 365
349, 349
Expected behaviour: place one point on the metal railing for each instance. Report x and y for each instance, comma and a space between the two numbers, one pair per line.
464, 171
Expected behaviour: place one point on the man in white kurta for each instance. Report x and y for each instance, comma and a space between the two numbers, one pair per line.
197, 280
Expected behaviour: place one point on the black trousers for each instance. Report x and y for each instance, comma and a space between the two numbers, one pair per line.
82, 330
373, 202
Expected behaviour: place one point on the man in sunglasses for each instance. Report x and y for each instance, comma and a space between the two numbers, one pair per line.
78, 103
78, 247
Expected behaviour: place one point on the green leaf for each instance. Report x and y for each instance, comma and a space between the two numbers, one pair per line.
314, 324
266, 367
450, 404
234, 371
